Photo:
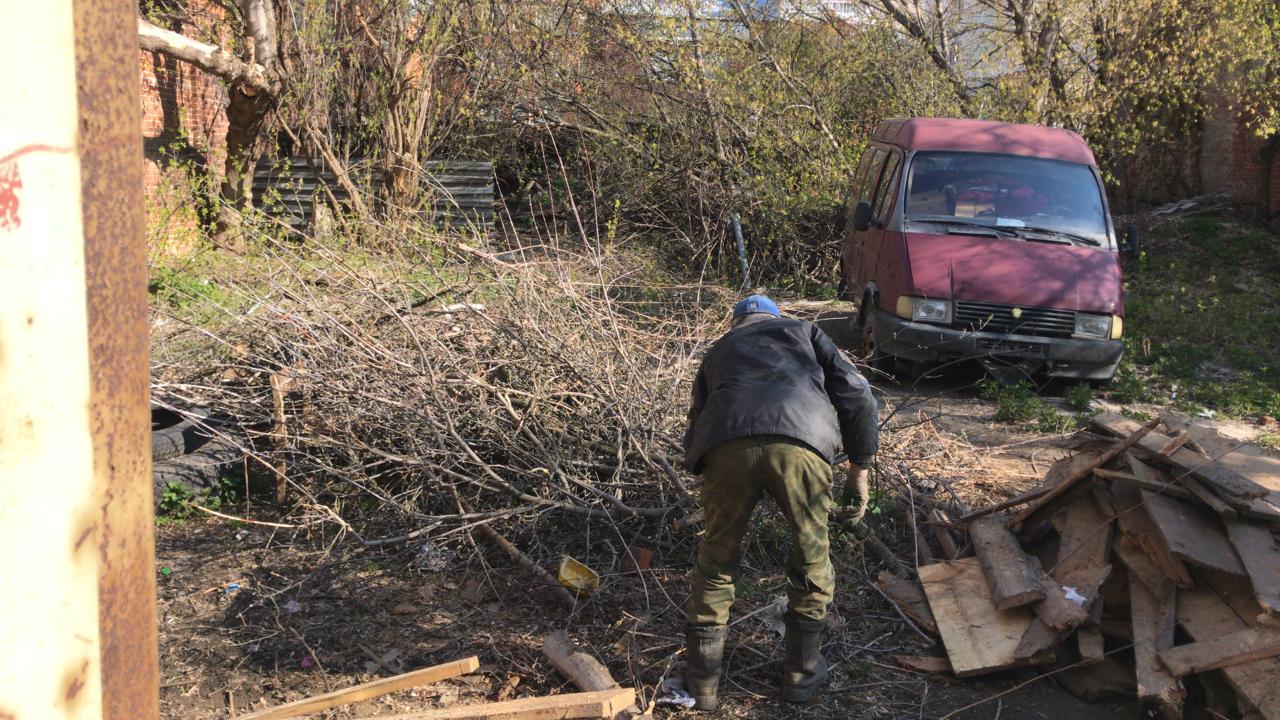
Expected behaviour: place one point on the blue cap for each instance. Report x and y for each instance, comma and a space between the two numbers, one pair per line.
755, 304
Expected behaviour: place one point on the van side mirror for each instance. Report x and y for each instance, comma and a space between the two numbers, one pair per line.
1129, 245
862, 216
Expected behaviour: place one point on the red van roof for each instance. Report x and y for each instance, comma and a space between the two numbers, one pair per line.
985, 136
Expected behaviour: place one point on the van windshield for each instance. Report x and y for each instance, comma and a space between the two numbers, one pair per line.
1032, 198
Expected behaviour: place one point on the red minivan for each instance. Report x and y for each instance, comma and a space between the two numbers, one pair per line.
988, 241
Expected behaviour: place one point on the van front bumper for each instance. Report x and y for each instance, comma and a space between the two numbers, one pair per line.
1057, 357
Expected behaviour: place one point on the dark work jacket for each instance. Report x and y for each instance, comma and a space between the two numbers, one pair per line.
780, 377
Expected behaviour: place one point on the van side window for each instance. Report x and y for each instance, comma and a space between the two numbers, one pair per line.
886, 192
864, 180
868, 183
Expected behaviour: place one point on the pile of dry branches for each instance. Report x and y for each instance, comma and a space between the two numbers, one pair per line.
433, 384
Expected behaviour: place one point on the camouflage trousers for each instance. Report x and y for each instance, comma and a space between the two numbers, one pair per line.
736, 474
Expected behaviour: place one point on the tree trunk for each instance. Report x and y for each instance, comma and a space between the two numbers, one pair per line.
249, 106
254, 88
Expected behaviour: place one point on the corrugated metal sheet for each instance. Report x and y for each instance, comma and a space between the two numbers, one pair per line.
460, 191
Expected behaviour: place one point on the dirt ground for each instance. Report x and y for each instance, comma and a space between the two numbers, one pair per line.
251, 616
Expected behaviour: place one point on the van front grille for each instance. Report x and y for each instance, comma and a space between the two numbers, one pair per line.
993, 317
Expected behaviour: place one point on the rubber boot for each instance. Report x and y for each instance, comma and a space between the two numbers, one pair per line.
804, 669
702, 663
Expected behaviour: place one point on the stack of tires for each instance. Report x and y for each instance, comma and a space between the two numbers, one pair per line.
185, 451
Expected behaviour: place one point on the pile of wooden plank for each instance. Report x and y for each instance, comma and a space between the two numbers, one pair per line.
1137, 564
601, 696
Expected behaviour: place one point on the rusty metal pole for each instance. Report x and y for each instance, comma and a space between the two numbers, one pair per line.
76, 530
109, 90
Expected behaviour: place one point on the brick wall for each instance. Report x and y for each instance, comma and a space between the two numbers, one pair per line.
183, 116
183, 109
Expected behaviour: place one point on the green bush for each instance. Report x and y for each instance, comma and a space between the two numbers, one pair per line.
1079, 397
1014, 404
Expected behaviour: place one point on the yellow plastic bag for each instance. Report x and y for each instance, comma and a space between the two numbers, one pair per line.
578, 577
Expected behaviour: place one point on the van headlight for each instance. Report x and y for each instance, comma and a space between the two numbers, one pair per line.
931, 311
1093, 326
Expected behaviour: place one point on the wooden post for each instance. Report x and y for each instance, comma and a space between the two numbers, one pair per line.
76, 529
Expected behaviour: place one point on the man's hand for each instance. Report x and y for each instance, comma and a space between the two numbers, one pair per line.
857, 493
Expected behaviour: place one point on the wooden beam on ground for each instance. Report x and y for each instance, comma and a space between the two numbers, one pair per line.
1255, 544
1085, 472
979, 638
1140, 531
1237, 648
939, 524
365, 691
1168, 487
1013, 579
1192, 533
909, 598
599, 704
929, 664
579, 666
1173, 444
1154, 617
1204, 615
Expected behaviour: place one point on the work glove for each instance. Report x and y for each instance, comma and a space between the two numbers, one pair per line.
857, 493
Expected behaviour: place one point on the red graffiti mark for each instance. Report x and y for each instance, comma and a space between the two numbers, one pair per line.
11, 183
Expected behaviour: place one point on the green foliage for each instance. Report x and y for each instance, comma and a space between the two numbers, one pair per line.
1201, 318
1269, 441
1019, 405
1078, 397
1014, 403
1133, 414
176, 499
179, 288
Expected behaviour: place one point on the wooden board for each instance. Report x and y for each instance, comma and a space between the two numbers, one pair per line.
1139, 564
1205, 616
931, 664
1055, 610
1208, 497
1237, 648
909, 599
1085, 538
1151, 478
1013, 579
1192, 533
365, 691
1080, 471
1154, 617
1256, 546
1090, 642
599, 704
978, 637
938, 523
1138, 529
1223, 477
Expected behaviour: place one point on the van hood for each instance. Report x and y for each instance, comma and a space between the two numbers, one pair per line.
1014, 272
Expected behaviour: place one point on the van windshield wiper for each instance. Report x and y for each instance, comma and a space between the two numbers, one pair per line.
966, 227
1065, 236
